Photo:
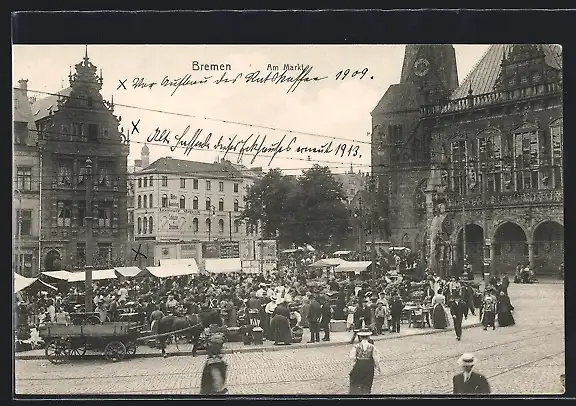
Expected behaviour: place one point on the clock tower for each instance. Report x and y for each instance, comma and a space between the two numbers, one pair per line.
432, 68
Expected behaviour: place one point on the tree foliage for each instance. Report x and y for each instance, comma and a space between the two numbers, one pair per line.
308, 209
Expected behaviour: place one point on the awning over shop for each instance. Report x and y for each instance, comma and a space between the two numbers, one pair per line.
168, 271
328, 262
289, 251
128, 271
342, 252
178, 262
62, 275
96, 275
227, 265
21, 283
353, 266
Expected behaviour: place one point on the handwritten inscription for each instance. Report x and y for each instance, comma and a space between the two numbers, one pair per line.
253, 145
289, 76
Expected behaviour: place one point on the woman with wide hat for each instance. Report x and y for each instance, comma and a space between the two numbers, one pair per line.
365, 357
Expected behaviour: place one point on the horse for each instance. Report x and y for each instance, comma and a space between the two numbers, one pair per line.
190, 325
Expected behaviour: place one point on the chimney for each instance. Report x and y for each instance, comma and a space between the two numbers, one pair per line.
23, 86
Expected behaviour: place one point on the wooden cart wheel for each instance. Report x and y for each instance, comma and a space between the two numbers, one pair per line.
56, 351
76, 348
92, 320
131, 348
115, 351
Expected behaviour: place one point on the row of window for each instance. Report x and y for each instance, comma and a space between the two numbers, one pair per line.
83, 132
70, 216
525, 160
148, 181
24, 178
145, 225
104, 251
146, 201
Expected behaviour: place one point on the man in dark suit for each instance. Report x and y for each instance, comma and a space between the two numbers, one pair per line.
458, 308
326, 315
314, 316
468, 382
396, 307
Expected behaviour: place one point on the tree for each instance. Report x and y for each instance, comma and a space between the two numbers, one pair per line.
266, 204
304, 210
318, 208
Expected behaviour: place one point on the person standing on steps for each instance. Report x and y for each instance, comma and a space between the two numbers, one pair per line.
365, 358
468, 382
457, 309
326, 316
396, 307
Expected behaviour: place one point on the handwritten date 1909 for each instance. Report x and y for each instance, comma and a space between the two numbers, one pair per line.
343, 74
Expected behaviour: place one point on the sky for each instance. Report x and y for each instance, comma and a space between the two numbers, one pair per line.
298, 119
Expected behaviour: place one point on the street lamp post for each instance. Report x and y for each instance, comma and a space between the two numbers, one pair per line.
89, 254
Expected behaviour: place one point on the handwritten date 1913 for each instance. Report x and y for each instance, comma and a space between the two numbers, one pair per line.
343, 74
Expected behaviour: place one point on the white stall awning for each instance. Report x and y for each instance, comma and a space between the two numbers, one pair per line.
227, 265
168, 271
327, 262
96, 275
178, 262
128, 271
342, 252
353, 266
21, 282
63, 275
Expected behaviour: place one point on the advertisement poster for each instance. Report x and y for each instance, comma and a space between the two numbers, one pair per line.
188, 251
266, 248
247, 250
229, 249
210, 249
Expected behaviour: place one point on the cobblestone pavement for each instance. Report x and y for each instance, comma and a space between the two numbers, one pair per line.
527, 358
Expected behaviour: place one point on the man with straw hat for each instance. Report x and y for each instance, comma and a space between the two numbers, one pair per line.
365, 357
469, 382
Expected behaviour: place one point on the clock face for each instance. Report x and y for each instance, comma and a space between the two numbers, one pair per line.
421, 67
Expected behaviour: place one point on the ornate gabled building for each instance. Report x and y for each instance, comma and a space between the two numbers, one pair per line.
72, 126
486, 153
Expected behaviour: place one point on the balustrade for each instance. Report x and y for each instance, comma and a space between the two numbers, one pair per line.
514, 198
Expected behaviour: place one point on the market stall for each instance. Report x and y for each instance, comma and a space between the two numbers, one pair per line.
169, 271
97, 275
128, 271
61, 275
353, 266
21, 283
224, 265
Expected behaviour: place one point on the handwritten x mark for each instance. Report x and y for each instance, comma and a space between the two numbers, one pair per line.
135, 126
138, 253
122, 84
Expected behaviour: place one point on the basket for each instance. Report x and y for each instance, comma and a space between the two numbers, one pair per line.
297, 333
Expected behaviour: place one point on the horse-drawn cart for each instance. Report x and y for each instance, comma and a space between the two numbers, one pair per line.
116, 340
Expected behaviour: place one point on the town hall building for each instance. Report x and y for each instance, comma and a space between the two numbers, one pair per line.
485, 153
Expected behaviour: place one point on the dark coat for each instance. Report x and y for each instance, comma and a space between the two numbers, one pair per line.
476, 384
282, 310
458, 309
396, 307
315, 312
326, 313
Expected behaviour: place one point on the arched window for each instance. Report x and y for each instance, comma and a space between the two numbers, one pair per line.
145, 202
235, 204
150, 201
221, 204
164, 200
195, 203
182, 202
195, 224
139, 201
221, 226
208, 204
139, 225
145, 228
208, 224
150, 225
236, 226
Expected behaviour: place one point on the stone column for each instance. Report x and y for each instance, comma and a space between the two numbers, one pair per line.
492, 259
531, 255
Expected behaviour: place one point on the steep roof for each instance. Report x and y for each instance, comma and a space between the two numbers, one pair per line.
41, 107
482, 77
21, 107
171, 165
398, 98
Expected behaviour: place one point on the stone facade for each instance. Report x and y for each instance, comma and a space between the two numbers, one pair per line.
76, 125
487, 153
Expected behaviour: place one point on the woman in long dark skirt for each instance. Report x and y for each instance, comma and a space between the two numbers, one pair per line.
365, 358
505, 308
213, 381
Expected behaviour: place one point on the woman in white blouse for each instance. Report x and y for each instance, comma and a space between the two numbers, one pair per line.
365, 357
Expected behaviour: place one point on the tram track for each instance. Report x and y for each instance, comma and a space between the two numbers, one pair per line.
340, 382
